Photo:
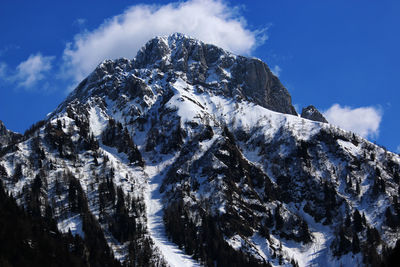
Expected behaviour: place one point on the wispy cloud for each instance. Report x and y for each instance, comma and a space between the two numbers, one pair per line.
7, 48
363, 120
276, 70
398, 149
212, 21
32, 70
80, 22
3, 68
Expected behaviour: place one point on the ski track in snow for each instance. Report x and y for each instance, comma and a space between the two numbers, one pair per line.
171, 252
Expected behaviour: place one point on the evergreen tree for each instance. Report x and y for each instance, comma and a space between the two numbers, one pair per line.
355, 244
17, 172
357, 221
393, 257
278, 218
347, 221
3, 171
358, 190
33, 241
344, 245
390, 219
373, 237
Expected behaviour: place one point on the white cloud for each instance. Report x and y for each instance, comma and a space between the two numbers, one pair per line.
3, 68
398, 149
212, 21
364, 120
7, 48
80, 22
276, 70
32, 70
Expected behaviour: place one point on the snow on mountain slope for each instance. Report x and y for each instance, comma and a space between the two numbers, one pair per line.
189, 155
171, 252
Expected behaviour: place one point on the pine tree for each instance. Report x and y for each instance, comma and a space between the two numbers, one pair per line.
364, 220
17, 172
358, 190
355, 244
357, 221
278, 218
373, 236
347, 221
3, 171
72, 197
344, 245
390, 219
304, 232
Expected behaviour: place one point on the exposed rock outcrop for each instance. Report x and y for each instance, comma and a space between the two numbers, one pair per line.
313, 114
7, 136
217, 69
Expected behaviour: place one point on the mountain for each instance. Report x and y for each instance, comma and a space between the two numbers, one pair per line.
6, 136
189, 155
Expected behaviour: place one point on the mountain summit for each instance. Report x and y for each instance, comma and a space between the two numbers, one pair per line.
223, 72
207, 66
188, 155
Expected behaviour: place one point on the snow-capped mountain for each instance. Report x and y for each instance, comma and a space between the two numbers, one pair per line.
188, 155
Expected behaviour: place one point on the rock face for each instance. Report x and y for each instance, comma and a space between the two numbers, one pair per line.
3, 129
313, 114
212, 67
199, 64
178, 157
7, 136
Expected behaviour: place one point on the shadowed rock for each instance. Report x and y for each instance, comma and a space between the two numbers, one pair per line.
217, 69
7, 136
313, 114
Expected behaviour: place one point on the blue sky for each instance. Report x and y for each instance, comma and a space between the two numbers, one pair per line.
341, 56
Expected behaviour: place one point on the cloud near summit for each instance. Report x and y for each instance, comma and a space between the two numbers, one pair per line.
364, 121
211, 21
32, 70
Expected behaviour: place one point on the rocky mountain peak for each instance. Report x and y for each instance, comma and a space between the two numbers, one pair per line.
198, 64
313, 114
217, 69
